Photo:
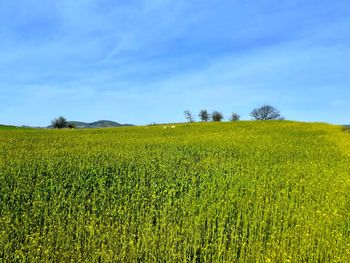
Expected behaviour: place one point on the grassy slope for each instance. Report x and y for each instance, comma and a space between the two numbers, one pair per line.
246, 191
7, 127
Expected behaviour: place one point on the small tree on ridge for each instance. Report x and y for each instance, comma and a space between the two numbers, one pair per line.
59, 123
265, 113
235, 117
217, 116
188, 115
204, 115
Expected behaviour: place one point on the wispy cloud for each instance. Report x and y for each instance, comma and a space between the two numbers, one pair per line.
145, 61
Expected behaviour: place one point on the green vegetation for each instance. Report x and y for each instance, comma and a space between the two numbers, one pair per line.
9, 127
59, 123
210, 192
5, 127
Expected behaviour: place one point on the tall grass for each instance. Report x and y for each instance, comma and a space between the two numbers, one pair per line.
227, 192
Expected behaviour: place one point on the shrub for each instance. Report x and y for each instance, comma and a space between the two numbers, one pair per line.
71, 126
235, 117
217, 116
59, 123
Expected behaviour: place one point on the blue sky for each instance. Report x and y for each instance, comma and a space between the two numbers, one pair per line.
148, 61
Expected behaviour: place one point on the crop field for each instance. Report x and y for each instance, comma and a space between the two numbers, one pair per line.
214, 192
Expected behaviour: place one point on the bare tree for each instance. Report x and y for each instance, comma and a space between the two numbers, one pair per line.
217, 116
204, 115
235, 117
59, 123
265, 113
189, 116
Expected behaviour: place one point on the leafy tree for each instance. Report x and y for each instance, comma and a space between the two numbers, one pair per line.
189, 116
59, 123
217, 116
204, 115
265, 113
235, 117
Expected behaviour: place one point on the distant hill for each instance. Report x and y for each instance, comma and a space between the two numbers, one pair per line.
7, 127
96, 124
11, 127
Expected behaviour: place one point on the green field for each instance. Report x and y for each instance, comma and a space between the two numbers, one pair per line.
214, 192
7, 127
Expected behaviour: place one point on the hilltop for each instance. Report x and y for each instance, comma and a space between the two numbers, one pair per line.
11, 127
7, 127
96, 124
78, 124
